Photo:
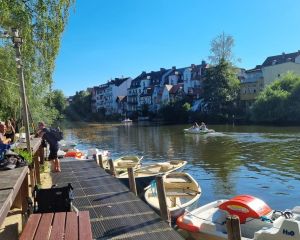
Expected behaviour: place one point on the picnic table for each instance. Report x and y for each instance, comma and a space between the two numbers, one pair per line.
61, 225
13, 190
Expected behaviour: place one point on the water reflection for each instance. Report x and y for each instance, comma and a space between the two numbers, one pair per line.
262, 161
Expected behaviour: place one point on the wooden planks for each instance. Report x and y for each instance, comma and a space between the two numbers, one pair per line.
58, 226
84, 226
32, 225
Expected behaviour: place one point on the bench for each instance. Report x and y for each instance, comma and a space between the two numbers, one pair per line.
60, 225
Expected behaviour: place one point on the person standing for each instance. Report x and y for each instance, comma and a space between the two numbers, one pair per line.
46, 135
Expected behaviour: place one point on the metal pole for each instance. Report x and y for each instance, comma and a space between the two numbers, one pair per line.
17, 46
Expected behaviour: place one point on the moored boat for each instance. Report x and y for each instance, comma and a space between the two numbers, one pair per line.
145, 174
121, 164
182, 193
258, 220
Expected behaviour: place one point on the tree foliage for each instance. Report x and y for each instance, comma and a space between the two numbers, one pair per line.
221, 89
176, 112
80, 107
40, 24
279, 102
221, 49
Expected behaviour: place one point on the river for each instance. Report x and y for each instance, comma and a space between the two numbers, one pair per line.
258, 160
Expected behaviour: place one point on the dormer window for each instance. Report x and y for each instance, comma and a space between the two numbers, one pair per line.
274, 62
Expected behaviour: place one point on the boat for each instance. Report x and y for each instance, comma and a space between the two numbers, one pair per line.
145, 174
127, 120
121, 164
74, 153
182, 193
258, 220
65, 145
196, 130
91, 152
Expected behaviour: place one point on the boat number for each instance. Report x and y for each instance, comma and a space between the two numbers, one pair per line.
289, 233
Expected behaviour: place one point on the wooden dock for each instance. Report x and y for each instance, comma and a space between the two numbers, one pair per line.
115, 212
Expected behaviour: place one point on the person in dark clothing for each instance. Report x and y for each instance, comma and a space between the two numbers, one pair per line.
46, 135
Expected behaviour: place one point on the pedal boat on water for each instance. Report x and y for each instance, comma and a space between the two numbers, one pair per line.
258, 220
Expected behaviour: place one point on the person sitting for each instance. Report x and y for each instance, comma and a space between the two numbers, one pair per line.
195, 125
3, 139
203, 126
10, 130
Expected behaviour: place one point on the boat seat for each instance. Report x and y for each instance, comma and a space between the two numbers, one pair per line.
181, 194
164, 166
126, 163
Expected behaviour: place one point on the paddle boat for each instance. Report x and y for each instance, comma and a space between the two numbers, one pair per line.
74, 153
258, 220
127, 120
182, 193
198, 130
145, 174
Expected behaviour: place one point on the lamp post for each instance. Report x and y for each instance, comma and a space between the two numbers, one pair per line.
17, 41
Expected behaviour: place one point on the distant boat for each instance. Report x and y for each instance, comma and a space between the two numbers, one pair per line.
145, 174
127, 120
182, 193
198, 130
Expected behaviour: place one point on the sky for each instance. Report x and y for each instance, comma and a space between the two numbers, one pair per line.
107, 39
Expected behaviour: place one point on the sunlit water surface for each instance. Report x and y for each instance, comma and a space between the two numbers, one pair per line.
257, 160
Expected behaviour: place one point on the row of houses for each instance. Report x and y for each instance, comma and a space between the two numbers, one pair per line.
155, 89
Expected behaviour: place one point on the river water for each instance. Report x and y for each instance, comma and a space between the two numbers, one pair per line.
257, 160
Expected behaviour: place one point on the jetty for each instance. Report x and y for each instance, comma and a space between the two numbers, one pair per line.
115, 212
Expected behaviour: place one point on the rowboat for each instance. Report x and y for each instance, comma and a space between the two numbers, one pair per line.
144, 175
182, 193
198, 130
258, 220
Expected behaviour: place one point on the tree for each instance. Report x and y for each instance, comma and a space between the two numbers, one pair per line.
40, 24
279, 102
59, 101
221, 89
221, 49
80, 108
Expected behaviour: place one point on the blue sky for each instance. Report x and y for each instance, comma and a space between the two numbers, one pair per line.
106, 39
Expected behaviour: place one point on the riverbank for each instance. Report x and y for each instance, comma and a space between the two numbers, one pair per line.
12, 225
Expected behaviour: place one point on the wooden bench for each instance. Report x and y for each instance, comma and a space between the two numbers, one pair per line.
54, 226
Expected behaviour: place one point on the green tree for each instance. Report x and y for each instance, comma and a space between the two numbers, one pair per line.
221, 89
221, 48
59, 101
40, 24
279, 102
80, 108
176, 112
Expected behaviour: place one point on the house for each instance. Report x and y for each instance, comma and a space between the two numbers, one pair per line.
251, 86
105, 95
275, 66
193, 78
